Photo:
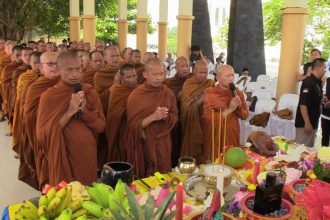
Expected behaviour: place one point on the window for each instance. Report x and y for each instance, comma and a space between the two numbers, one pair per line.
216, 17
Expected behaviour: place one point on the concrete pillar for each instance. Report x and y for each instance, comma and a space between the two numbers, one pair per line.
162, 29
185, 19
142, 25
89, 19
74, 20
122, 24
293, 31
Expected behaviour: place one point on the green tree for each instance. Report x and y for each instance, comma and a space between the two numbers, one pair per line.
222, 38
172, 38
317, 33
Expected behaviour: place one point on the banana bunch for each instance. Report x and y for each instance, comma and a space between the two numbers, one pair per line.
54, 203
27, 211
78, 191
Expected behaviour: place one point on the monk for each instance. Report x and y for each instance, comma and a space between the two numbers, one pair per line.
116, 115
126, 55
32, 44
26, 58
4, 58
68, 124
135, 58
104, 78
49, 47
41, 46
100, 46
232, 108
87, 47
49, 77
96, 63
6, 79
175, 84
61, 48
147, 56
192, 97
149, 122
27, 168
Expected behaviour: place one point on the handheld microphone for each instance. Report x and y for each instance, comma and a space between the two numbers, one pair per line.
77, 88
233, 89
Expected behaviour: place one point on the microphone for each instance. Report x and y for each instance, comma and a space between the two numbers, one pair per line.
77, 88
233, 89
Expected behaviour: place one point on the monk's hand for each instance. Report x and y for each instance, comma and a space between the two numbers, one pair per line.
75, 103
235, 103
161, 113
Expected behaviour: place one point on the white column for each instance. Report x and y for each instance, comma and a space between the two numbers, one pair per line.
89, 7
74, 8
163, 10
122, 9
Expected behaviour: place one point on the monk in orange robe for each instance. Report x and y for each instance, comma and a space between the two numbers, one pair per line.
26, 53
6, 79
151, 115
192, 97
232, 108
68, 124
27, 170
49, 77
96, 63
116, 116
135, 58
126, 55
175, 84
3, 56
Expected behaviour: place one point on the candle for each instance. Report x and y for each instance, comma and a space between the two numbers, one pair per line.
219, 141
212, 135
179, 202
256, 170
220, 183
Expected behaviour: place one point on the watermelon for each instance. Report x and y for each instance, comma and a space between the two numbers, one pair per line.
235, 157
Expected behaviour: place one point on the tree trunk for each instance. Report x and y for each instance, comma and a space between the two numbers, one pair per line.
201, 30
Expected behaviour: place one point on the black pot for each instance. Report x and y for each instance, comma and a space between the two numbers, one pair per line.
113, 171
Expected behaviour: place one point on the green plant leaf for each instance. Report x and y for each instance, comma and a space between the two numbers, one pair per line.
170, 216
135, 208
149, 208
117, 215
121, 208
164, 205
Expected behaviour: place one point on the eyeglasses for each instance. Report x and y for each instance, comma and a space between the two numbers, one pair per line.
50, 64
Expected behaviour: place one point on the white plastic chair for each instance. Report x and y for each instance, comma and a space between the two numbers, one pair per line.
273, 82
263, 105
253, 86
263, 77
264, 84
284, 127
262, 94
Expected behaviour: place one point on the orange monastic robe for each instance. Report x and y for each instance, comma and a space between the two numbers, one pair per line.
218, 98
139, 69
149, 149
4, 61
30, 112
6, 78
191, 117
117, 122
71, 150
87, 76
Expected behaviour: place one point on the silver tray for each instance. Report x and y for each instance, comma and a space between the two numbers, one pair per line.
197, 188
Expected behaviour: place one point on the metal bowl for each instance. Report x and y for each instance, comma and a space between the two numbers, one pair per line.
187, 165
210, 173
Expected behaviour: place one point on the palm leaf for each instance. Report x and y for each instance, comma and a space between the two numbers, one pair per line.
164, 205
170, 216
149, 208
135, 208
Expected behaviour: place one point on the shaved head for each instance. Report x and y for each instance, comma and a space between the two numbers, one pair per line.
47, 56
112, 56
26, 55
200, 71
182, 67
151, 63
147, 56
225, 75
48, 67
154, 72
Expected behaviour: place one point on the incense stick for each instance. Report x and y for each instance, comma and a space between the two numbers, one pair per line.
224, 138
212, 135
219, 141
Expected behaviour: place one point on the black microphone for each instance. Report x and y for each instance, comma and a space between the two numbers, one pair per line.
233, 89
77, 88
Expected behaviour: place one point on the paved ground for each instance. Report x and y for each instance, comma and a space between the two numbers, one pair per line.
11, 189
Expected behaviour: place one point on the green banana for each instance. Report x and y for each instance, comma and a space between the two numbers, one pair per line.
93, 208
120, 190
43, 200
65, 215
75, 205
103, 193
61, 193
52, 207
28, 212
113, 197
83, 217
29, 204
51, 194
20, 216
106, 214
66, 201
79, 213
94, 195
42, 210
